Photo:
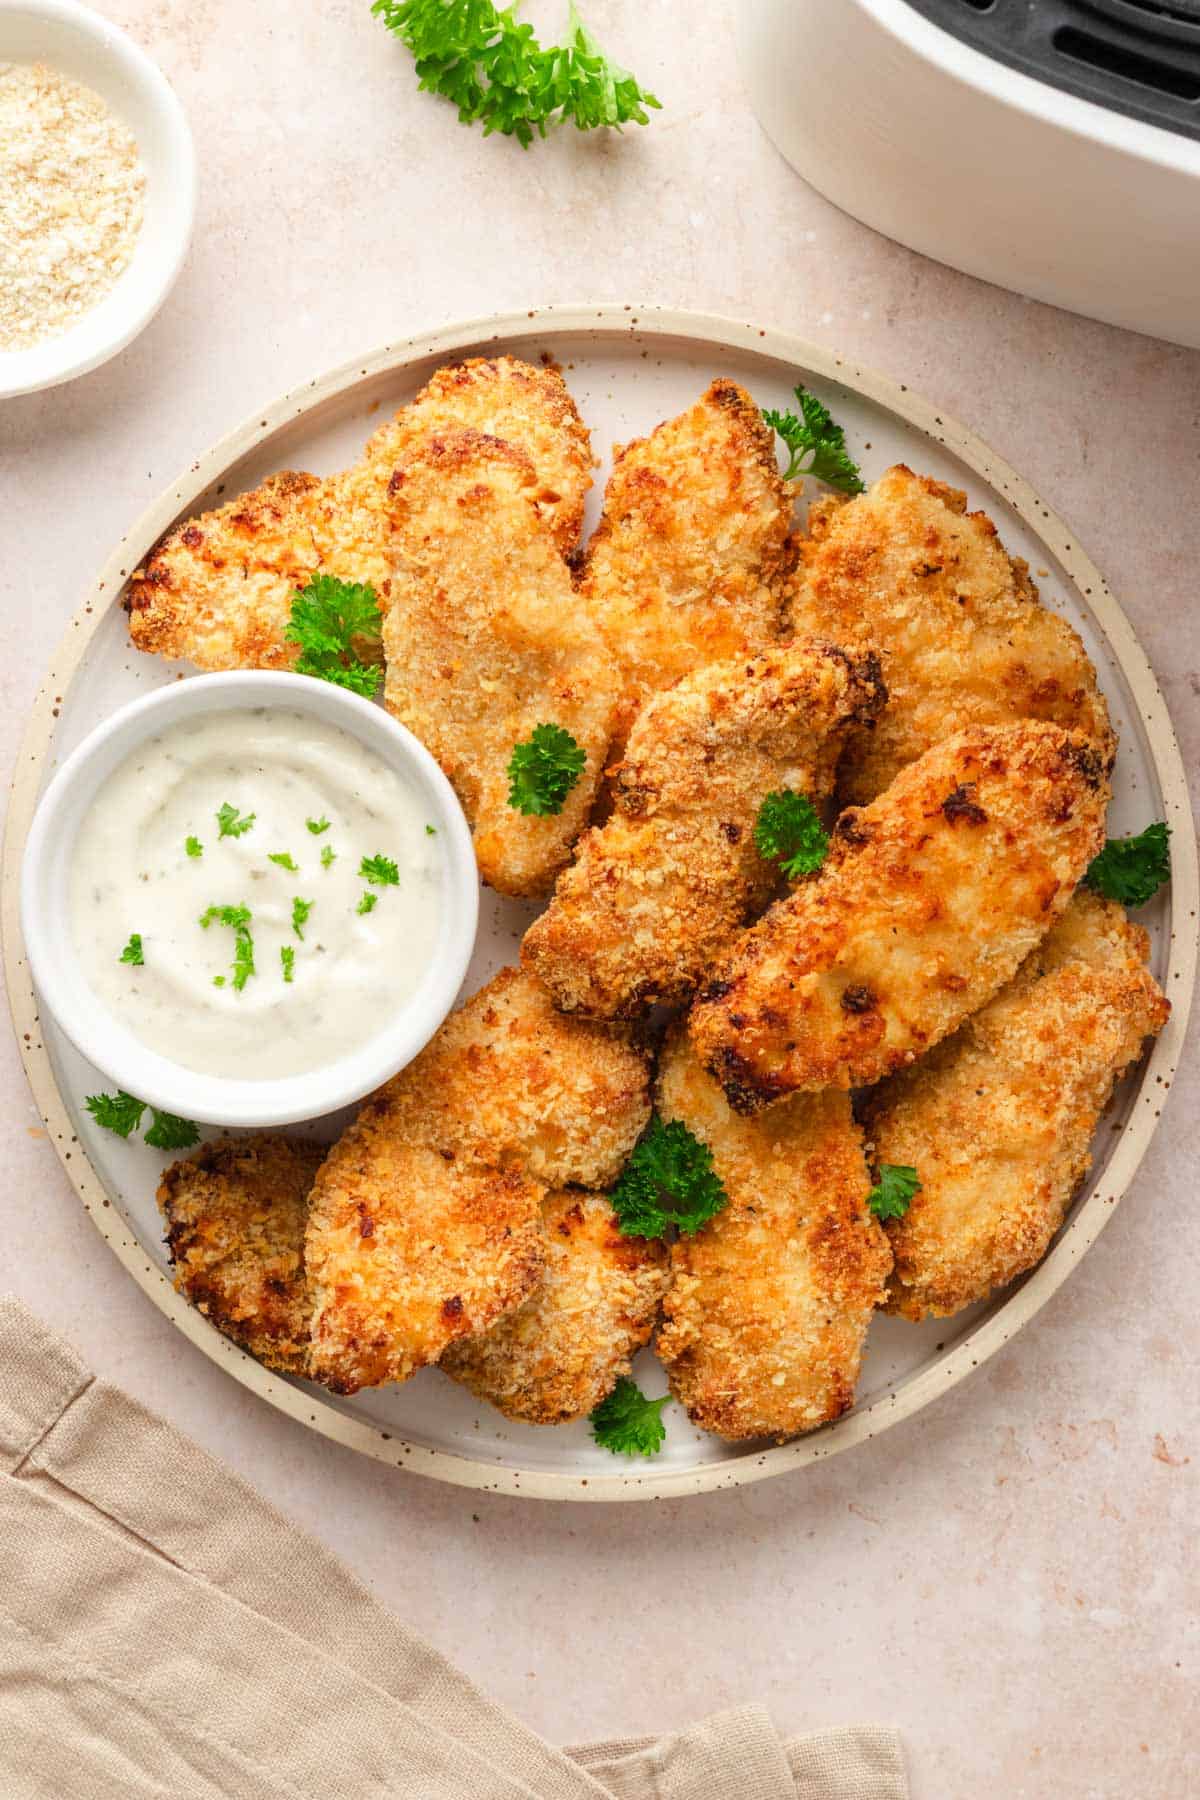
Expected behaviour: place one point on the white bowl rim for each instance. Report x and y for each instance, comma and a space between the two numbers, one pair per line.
234, 1101
29, 370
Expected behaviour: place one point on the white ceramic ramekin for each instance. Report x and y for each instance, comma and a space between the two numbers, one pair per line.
388, 1043
80, 44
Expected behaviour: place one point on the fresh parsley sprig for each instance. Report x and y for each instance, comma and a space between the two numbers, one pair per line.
286, 860
327, 617
668, 1180
132, 953
317, 826
300, 912
122, 1113
193, 846
495, 72
629, 1424
543, 769
1132, 869
789, 831
816, 445
892, 1194
231, 823
380, 871
238, 920
287, 958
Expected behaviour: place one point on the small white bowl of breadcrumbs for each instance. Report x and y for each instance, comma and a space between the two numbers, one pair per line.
97, 191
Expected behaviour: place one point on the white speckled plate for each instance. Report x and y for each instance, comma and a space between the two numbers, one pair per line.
628, 368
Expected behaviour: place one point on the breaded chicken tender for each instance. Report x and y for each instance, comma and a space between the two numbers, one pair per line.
769, 1303
963, 637
658, 890
504, 398
558, 1355
409, 1248
217, 590
998, 1120
929, 900
235, 1212
510, 1081
687, 564
485, 640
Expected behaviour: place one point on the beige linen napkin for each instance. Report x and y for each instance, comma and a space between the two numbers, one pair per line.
164, 1632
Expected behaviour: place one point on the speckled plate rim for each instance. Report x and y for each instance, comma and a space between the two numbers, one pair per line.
909, 1394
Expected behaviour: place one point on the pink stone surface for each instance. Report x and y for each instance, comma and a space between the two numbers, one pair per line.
1011, 1577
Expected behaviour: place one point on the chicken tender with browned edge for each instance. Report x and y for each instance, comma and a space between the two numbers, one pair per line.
928, 901
217, 590
957, 621
658, 890
510, 1081
769, 1304
235, 1212
998, 1121
485, 640
558, 1355
687, 564
409, 1248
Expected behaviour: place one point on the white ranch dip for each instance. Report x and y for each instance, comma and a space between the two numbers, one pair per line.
351, 970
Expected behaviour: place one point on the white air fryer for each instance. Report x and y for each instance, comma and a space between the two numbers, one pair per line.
1052, 146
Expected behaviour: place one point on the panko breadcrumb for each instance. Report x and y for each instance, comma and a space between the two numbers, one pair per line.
929, 900
998, 1121
658, 891
235, 1213
687, 564
510, 1081
408, 1249
485, 640
769, 1303
957, 621
558, 1355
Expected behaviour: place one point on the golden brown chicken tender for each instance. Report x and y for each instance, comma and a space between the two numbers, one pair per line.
658, 890
769, 1303
927, 903
235, 1212
485, 640
409, 1248
558, 1355
687, 564
998, 1120
217, 590
510, 1081
963, 638
504, 398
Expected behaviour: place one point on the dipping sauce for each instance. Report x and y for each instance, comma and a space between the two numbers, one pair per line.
317, 869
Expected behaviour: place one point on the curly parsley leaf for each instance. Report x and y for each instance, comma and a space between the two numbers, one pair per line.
317, 826
668, 1180
327, 617
233, 824
287, 957
629, 1424
788, 831
118, 1112
285, 860
300, 912
238, 920
170, 1132
495, 72
1132, 869
193, 846
380, 871
328, 857
132, 953
543, 769
816, 446
368, 903
892, 1194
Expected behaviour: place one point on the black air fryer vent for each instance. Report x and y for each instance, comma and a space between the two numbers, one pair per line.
1140, 57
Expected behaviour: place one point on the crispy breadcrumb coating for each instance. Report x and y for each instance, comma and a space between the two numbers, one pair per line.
558, 1355
525, 405
409, 1248
963, 638
510, 1081
235, 1211
998, 1121
769, 1303
485, 639
217, 590
687, 564
658, 891
930, 898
